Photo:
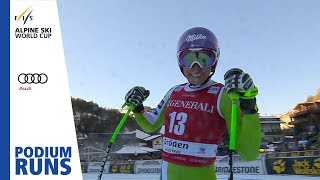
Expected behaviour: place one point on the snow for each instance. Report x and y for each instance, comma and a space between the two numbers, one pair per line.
152, 137
139, 134
93, 176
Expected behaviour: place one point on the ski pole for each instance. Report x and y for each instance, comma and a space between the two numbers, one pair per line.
114, 135
234, 96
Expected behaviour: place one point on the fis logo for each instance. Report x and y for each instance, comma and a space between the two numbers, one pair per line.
25, 16
214, 90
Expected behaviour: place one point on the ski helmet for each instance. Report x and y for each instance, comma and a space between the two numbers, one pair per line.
199, 37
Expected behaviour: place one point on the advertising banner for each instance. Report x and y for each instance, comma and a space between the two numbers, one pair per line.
127, 168
293, 154
239, 166
95, 167
294, 166
148, 167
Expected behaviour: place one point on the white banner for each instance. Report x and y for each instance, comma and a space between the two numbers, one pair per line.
239, 166
95, 167
148, 167
42, 134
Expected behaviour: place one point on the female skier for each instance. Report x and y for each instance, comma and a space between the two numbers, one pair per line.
197, 113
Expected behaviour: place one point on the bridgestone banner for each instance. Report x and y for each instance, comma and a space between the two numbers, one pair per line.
252, 167
239, 166
148, 167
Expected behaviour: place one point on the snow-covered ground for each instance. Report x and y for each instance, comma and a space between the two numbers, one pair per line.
93, 176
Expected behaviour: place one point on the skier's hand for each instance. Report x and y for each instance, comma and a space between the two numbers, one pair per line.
136, 96
240, 82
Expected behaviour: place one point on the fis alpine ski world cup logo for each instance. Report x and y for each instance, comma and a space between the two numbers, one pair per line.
25, 16
30, 32
32, 79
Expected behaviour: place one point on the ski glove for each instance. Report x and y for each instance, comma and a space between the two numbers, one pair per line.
237, 80
136, 96
241, 82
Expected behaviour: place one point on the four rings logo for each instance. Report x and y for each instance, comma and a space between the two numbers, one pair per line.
35, 78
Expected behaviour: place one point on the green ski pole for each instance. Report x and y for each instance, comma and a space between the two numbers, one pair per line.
114, 136
234, 96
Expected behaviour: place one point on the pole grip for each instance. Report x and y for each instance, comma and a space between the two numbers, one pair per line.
234, 112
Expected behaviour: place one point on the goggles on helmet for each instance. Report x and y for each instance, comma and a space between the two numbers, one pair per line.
203, 57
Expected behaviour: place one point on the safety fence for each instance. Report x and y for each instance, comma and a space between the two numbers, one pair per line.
294, 163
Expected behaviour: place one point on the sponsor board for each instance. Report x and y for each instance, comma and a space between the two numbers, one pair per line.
294, 166
127, 168
148, 167
94, 167
251, 167
293, 154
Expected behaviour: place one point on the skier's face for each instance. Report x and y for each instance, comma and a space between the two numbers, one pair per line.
196, 75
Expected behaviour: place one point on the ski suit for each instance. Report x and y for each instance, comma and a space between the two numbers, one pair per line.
195, 119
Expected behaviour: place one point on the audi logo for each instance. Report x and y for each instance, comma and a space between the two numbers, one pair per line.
35, 78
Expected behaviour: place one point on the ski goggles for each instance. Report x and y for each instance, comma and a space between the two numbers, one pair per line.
203, 57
